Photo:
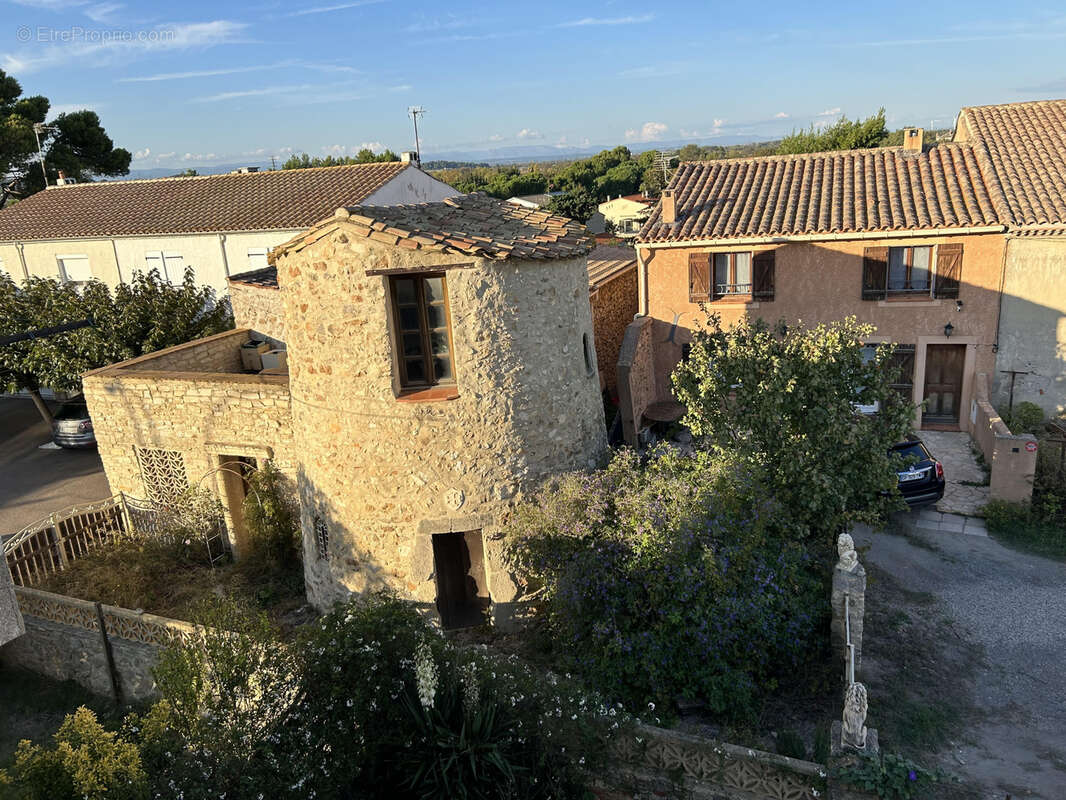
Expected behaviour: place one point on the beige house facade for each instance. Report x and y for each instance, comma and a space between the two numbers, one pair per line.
440, 365
217, 225
1025, 146
626, 213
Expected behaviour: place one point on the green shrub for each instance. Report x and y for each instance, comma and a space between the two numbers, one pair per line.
821, 747
1025, 418
890, 776
671, 579
87, 763
273, 519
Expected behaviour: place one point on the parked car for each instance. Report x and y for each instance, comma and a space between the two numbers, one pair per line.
921, 477
71, 426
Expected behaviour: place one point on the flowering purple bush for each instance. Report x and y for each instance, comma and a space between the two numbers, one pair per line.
670, 580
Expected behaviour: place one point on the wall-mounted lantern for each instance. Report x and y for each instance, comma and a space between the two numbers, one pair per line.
948, 330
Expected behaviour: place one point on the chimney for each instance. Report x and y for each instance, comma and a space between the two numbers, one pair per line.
912, 140
669, 209
409, 157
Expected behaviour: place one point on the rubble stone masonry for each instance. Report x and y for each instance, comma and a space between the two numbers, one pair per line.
383, 472
258, 308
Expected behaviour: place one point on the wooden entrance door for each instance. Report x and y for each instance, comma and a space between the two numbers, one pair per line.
943, 383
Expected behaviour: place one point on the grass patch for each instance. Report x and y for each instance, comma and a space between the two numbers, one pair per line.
171, 581
1022, 526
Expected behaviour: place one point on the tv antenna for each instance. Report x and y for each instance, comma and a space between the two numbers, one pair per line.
662, 160
415, 112
38, 129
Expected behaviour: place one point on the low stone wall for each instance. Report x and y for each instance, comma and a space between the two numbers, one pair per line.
64, 641
659, 763
636, 376
218, 353
1012, 459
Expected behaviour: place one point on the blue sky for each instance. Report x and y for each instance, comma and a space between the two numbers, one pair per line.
195, 83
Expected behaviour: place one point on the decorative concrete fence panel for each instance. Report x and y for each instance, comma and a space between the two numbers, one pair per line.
658, 762
106, 649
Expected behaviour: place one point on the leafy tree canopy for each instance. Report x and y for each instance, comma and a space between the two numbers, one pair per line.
76, 144
845, 134
784, 399
364, 156
140, 317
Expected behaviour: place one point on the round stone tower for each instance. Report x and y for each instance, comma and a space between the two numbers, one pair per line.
441, 365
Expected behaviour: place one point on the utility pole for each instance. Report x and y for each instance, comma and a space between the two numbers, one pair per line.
415, 112
273, 164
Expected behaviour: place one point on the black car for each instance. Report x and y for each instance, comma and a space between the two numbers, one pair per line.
71, 426
921, 477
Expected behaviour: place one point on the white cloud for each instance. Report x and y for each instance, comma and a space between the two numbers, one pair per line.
162, 38
527, 133
239, 93
495, 138
104, 12
199, 157
401, 87
335, 150
303, 12
164, 156
50, 5
69, 108
718, 123
829, 112
780, 115
430, 26
200, 73
596, 21
649, 131
376, 147
141, 155
652, 71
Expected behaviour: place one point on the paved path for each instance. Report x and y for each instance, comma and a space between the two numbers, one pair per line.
955, 451
33, 482
1012, 605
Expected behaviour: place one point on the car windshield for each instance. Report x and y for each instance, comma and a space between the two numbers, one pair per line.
72, 411
911, 452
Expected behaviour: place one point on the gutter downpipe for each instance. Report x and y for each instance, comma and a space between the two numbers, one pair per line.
642, 283
21, 248
222, 247
118, 267
1002, 285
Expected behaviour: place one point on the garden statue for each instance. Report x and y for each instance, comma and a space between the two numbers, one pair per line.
849, 559
853, 733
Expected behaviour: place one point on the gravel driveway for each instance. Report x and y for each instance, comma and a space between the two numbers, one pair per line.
1013, 606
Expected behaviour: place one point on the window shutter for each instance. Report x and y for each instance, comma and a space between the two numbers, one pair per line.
874, 273
762, 275
699, 277
948, 270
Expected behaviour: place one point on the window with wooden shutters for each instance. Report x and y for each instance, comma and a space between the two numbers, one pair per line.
948, 270
699, 277
874, 273
762, 267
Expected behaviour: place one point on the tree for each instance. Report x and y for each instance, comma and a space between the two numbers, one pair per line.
845, 134
579, 204
364, 156
785, 398
145, 315
75, 144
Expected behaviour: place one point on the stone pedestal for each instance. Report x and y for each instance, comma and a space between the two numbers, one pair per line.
841, 756
11, 624
852, 583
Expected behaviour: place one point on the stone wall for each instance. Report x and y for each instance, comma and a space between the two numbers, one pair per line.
218, 353
1011, 461
63, 641
259, 309
201, 415
384, 472
613, 308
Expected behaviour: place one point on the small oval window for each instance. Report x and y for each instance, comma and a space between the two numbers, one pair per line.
590, 360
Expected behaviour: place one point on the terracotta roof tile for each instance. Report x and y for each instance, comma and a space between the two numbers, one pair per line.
277, 200
880, 189
606, 263
1026, 146
471, 224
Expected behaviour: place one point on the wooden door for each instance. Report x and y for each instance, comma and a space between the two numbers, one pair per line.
943, 382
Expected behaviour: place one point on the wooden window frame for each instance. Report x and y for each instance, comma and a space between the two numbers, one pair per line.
715, 294
908, 264
408, 387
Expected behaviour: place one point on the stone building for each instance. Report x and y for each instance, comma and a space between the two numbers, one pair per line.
440, 365
613, 294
